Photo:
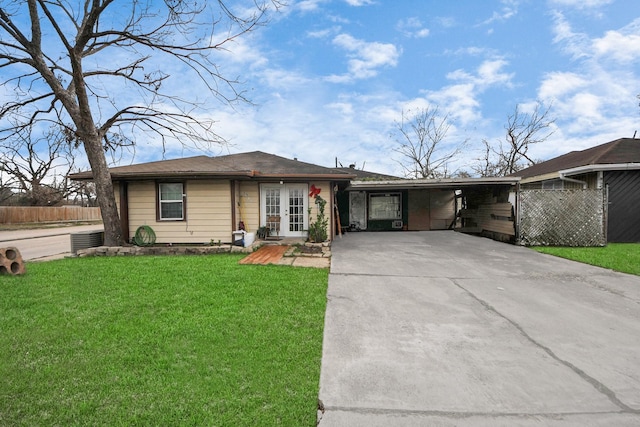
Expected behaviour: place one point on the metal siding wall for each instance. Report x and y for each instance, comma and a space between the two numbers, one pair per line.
624, 206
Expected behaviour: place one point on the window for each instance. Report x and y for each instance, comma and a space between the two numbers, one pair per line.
553, 184
171, 202
385, 206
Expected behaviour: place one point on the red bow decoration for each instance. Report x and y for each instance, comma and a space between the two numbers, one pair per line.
314, 191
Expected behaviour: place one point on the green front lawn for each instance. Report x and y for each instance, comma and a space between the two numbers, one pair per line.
193, 340
624, 257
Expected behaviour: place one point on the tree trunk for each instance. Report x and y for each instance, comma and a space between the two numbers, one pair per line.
104, 189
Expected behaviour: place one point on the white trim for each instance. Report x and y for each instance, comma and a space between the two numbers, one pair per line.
161, 201
284, 206
397, 184
599, 167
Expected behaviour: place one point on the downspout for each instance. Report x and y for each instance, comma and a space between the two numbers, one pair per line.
577, 181
232, 188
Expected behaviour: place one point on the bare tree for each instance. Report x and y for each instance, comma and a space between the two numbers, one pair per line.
63, 59
6, 193
36, 167
523, 130
420, 137
85, 194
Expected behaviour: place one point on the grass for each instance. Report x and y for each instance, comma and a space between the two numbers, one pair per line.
161, 341
624, 257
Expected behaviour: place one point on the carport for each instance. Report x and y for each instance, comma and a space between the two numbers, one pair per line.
483, 206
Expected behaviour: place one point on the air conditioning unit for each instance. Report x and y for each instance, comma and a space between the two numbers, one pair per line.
86, 240
396, 224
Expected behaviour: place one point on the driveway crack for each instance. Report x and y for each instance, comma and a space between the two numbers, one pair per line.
603, 389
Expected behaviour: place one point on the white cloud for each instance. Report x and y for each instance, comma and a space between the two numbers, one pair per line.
365, 57
344, 108
489, 73
359, 2
307, 5
508, 11
581, 4
460, 100
279, 79
622, 45
412, 27
446, 21
241, 51
575, 44
558, 84
321, 34
597, 98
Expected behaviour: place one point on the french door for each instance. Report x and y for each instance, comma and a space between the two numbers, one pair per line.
288, 203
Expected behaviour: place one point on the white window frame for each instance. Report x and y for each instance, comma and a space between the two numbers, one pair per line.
161, 201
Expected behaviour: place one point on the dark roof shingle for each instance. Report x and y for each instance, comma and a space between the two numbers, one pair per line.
623, 150
252, 164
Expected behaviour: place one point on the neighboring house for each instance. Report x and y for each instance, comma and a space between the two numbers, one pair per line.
203, 199
614, 167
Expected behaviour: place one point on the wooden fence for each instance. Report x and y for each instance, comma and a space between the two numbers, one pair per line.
35, 214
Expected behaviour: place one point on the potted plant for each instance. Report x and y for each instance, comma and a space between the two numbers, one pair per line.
262, 232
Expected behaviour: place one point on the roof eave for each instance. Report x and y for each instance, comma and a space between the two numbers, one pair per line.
431, 183
598, 168
289, 176
217, 175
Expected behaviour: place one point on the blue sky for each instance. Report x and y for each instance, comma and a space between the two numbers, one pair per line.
329, 78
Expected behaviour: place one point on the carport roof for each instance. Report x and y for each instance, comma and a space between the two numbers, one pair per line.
449, 183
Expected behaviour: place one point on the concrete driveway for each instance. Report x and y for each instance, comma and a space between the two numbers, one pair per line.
444, 329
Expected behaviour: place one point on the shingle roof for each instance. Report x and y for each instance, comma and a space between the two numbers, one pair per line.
255, 164
620, 151
362, 174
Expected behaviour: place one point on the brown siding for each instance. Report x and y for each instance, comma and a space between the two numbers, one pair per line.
419, 210
430, 209
442, 209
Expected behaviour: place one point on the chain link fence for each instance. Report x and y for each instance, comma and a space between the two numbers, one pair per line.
562, 218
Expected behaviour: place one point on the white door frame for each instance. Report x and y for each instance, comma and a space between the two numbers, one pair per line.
290, 226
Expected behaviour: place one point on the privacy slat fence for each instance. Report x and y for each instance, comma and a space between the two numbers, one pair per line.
34, 214
562, 218
495, 218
